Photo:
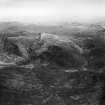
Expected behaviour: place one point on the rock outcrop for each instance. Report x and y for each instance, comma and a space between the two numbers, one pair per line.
54, 49
61, 51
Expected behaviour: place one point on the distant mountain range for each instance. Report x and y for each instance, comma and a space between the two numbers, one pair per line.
62, 29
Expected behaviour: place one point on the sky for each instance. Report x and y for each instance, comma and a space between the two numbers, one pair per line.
52, 11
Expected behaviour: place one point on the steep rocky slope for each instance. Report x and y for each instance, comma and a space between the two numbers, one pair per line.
47, 69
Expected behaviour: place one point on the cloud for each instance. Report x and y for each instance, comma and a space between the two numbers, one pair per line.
51, 1
51, 10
